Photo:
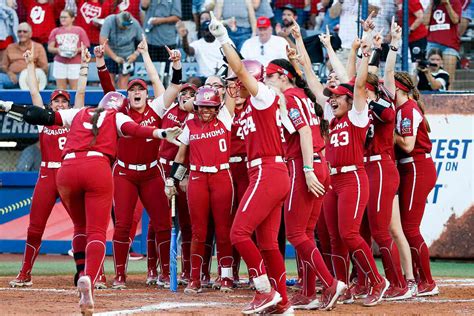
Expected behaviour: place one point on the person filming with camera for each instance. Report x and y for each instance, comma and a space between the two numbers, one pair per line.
430, 73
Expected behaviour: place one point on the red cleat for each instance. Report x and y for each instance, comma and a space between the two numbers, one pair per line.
426, 289
396, 293
262, 301
300, 301
194, 287
21, 280
333, 294
376, 293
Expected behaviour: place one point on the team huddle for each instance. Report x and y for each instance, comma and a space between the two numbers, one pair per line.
349, 161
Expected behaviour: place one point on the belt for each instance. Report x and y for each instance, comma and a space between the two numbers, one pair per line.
237, 159
414, 158
342, 169
140, 167
259, 161
209, 169
84, 154
164, 161
377, 157
51, 164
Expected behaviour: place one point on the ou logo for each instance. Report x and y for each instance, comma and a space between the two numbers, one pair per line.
37, 15
439, 16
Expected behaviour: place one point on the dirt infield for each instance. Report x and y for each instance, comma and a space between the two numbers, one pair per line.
56, 295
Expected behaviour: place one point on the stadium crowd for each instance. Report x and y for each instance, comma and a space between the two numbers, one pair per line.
258, 28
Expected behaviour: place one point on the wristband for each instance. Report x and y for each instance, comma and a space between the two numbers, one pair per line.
178, 171
307, 167
177, 75
102, 68
306, 170
375, 57
84, 67
394, 48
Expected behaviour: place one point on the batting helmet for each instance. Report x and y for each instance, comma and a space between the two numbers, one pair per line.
112, 100
254, 67
207, 96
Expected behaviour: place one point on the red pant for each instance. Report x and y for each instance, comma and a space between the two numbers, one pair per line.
149, 185
383, 184
302, 209
260, 211
417, 179
86, 188
343, 211
44, 198
210, 193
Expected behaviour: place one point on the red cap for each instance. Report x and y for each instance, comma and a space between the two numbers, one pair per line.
273, 68
138, 81
64, 93
342, 89
263, 22
189, 86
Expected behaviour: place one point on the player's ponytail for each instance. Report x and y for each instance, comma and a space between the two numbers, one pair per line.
405, 79
95, 128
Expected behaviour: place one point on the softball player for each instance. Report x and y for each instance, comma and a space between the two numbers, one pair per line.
209, 189
417, 174
350, 193
136, 171
309, 179
52, 140
260, 208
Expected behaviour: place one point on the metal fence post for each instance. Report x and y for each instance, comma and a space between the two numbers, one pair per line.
405, 33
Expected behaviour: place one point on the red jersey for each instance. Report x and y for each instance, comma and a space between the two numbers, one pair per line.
413, 6
133, 150
174, 116
42, 18
80, 135
347, 138
237, 140
301, 113
261, 125
441, 29
87, 10
382, 125
209, 143
410, 121
52, 141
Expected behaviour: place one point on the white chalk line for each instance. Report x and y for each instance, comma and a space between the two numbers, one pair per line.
161, 306
29, 289
430, 300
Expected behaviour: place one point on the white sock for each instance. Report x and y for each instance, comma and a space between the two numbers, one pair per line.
262, 284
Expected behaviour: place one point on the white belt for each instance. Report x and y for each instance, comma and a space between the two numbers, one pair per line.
373, 158
141, 167
164, 161
237, 159
89, 154
343, 169
51, 164
411, 159
209, 169
259, 161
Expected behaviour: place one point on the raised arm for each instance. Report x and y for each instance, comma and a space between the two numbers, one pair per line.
352, 60
389, 74
31, 80
336, 64
360, 94
79, 101
104, 75
252, 17
171, 93
229, 101
158, 88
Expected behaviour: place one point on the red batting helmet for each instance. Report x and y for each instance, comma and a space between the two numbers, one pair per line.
112, 100
254, 67
207, 96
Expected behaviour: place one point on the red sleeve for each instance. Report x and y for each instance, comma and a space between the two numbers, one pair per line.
457, 7
136, 130
84, 37
58, 120
105, 80
388, 115
414, 6
294, 113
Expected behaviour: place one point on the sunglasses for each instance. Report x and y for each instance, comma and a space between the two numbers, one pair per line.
22, 31
216, 86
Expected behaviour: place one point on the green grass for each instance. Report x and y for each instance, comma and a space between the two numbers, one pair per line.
61, 265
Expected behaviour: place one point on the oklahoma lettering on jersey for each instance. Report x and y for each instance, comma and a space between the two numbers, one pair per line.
346, 142
301, 113
208, 142
174, 116
133, 150
411, 122
52, 141
261, 125
80, 135
237, 140
380, 133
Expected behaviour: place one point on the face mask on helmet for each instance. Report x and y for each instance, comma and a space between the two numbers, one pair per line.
112, 100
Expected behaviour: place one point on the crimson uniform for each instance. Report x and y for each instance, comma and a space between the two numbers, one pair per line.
85, 179
417, 179
347, 199
210, 189
175, 116
260, 208
302, 208
383, 184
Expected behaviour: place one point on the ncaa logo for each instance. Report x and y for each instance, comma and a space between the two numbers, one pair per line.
208, 96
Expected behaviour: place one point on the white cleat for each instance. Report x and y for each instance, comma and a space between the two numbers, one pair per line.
86, 302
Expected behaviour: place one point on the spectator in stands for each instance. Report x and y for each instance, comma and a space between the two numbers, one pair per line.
42, 16
123, 33
298, 5
431, 75
30, 158
13, 62
206, 50
160, 20
283, 29
444, 17
264, 47
197, 8
331, 23
90, 16
65, 43
239, 15
467, 14
418, 32
8, 27
317, 13
263, 8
